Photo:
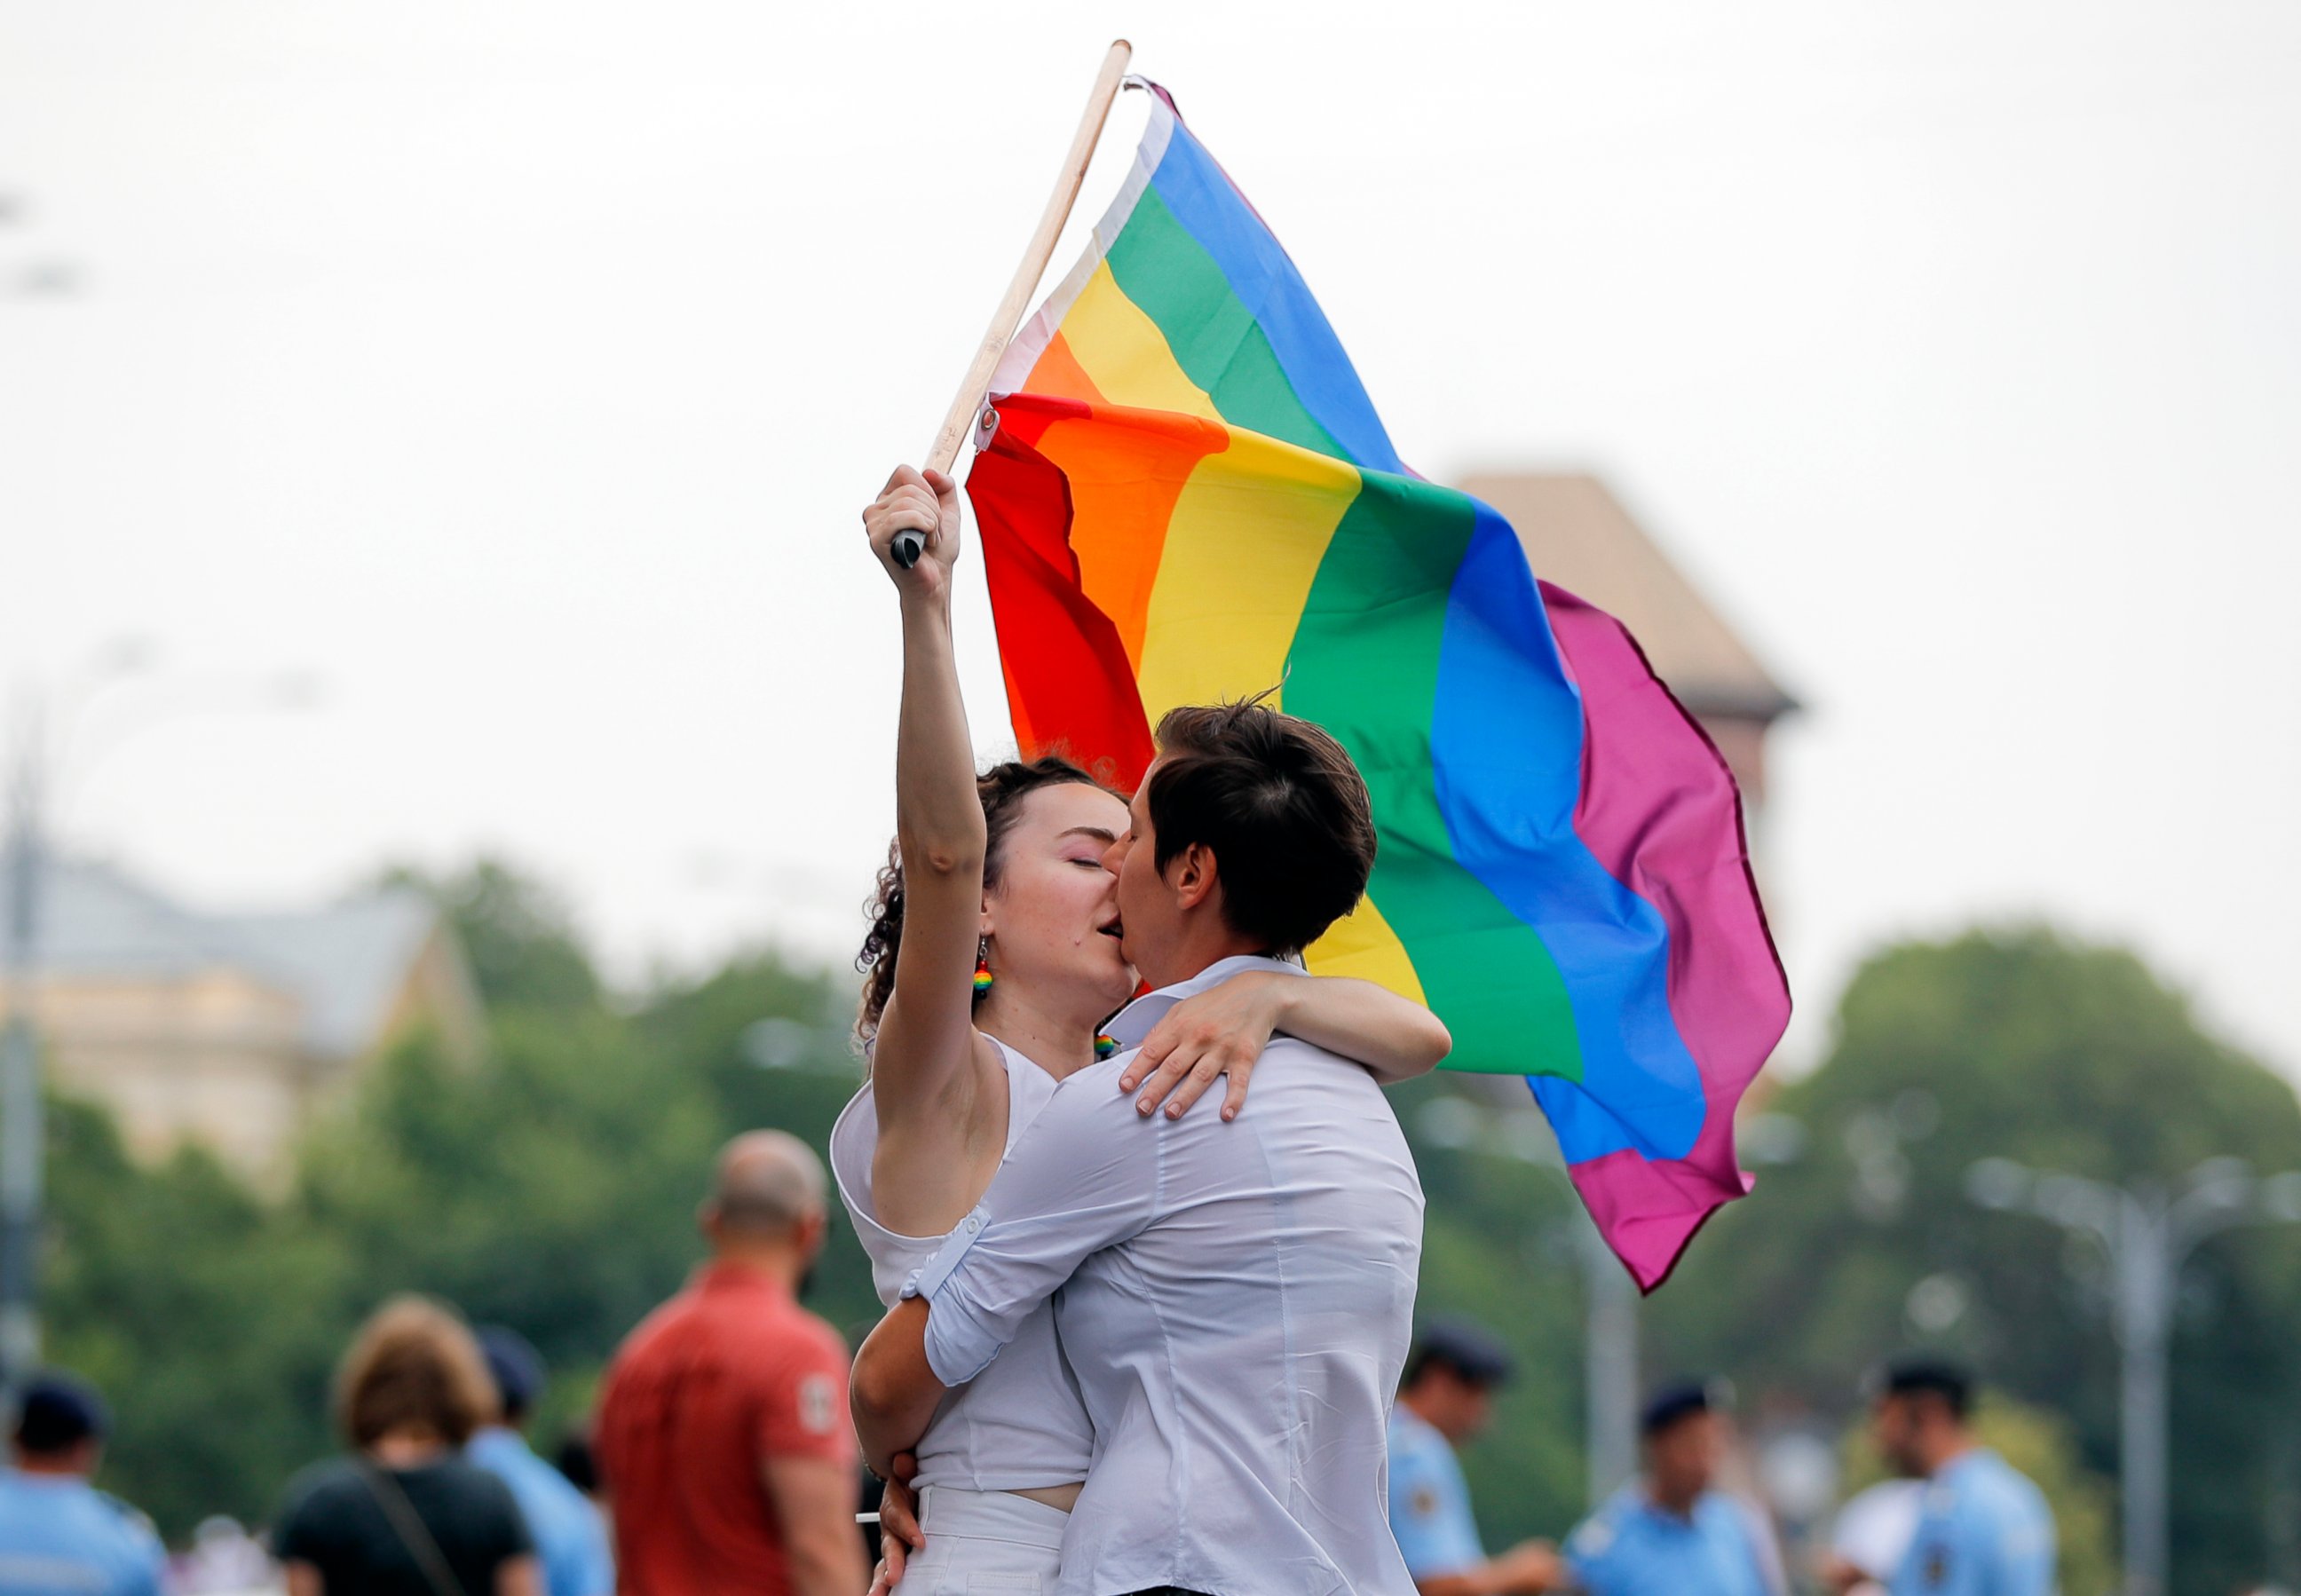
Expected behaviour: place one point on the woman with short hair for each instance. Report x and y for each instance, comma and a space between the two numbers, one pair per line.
405, 1514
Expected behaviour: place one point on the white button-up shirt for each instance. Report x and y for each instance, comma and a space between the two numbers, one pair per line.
1236, 1301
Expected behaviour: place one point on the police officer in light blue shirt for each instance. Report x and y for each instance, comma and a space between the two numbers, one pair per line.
1983, 1528
1668, 1532
60, 1535
571, 1536
1446, 1396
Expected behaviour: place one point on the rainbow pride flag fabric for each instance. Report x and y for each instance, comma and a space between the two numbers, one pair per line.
1185, 496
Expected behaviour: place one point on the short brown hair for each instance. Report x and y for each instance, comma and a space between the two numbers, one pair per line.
414, 1366
1281, 807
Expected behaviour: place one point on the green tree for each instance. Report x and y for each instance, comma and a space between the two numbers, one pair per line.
518, 936
772, 1041
1497, 1249
209, 1319
2026, 1046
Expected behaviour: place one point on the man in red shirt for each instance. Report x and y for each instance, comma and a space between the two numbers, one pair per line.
723, 1439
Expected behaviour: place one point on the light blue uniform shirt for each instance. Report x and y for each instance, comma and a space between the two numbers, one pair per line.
1632, 1548
1429, 1502
61, 1536
1983, 1530
570, 1538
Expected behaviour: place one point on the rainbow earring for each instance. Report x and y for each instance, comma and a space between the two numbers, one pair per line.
982, 976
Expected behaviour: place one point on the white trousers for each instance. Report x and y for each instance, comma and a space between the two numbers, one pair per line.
985, 1543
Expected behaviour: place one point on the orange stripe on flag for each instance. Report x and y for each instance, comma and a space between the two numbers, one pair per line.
1059, 373
1124, 483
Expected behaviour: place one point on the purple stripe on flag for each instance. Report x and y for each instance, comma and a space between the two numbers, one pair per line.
1660, 812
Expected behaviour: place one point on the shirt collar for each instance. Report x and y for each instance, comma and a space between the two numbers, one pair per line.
1415, 1426
726, 1274
1958, 1465
496, 1439
1641, 1492
1132, 1024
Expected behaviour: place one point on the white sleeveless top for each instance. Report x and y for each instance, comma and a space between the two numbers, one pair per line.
1020, 1424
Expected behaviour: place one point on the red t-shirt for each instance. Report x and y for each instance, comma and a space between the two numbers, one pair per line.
725, 1376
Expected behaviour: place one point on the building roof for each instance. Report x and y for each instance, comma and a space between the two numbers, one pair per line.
1578, 537
344, 963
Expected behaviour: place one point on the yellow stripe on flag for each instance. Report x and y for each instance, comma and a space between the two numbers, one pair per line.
1362, 944
1242, 548
1123, 354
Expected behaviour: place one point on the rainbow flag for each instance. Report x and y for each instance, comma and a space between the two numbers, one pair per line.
1185, 496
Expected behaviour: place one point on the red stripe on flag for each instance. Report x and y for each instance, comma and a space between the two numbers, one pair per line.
1065, 665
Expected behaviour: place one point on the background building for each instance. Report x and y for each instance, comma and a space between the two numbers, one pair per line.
233, 1030
1578, 537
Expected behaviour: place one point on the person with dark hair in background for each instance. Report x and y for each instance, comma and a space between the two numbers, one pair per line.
59, 1535
1236, 1295
726, 1455
1446, 1397
1670, 1533
406, 1514
570, 1536
1983, 1528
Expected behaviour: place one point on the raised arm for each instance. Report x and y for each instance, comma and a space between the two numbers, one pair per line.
926, 1062
1222, 1031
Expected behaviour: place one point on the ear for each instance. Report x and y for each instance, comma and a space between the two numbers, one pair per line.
984, 928
1194, 878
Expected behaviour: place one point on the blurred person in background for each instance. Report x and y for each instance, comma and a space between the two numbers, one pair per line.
59, 1535
223, 1559
1671, 1532
1983, 1528
571, 1538
1446, 1397
406, 1514
722, 1440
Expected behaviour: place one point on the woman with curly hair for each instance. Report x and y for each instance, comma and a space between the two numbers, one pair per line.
992, 961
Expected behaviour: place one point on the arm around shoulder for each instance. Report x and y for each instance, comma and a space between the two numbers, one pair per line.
1395, 1037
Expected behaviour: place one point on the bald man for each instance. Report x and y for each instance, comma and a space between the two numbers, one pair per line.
722, 1439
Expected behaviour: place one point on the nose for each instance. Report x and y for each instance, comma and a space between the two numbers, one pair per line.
1114, 855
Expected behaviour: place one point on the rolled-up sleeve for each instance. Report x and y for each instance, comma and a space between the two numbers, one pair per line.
1084, 1177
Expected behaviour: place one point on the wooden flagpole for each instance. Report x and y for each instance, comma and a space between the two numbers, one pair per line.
1008, 316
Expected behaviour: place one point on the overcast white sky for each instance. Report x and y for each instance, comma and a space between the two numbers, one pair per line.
520, 369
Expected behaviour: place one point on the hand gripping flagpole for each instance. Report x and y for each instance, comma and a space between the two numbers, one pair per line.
1008, 316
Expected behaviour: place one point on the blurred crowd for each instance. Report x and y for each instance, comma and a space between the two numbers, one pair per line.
1956, 1519
721, 1457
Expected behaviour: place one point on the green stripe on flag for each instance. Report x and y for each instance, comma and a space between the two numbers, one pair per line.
1365, 665
1215, 340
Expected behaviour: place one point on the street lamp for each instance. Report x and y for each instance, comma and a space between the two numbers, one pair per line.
2148, 1229
40, 745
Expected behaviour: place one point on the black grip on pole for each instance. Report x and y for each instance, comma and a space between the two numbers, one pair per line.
907, 548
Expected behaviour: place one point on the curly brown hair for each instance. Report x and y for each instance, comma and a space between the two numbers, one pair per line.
414, 1366
1002, 789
